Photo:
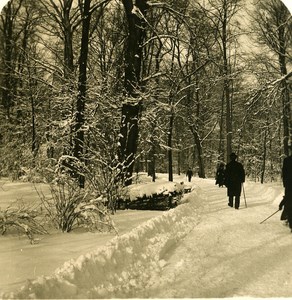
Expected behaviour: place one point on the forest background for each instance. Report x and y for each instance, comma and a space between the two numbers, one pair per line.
100, 90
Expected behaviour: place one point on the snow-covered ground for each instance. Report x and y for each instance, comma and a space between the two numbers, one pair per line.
200, 249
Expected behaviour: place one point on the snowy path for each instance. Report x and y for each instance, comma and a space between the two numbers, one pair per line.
229, 253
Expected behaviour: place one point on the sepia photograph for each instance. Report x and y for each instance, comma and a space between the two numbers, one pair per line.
145, 149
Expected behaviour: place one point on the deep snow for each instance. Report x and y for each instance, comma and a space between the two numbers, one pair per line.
19, 260
202, 248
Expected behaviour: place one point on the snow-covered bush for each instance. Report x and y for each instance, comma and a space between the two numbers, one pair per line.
22, 218
104, 180
71, 206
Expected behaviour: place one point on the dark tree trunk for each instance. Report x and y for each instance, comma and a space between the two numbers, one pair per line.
169, 146
131, 109
7, 90
128, 140
287, 118
221, 131
179, 161
64, 14
199, 148
82, 80
226, 82
152, 153
68, 41
264, 155
194, 128
32, 88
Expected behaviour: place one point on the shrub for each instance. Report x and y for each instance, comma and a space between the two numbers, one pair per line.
71, 206
23, 218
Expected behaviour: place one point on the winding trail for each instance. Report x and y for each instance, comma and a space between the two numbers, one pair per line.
229, 253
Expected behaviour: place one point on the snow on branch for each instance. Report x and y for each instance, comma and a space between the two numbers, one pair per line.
285, 77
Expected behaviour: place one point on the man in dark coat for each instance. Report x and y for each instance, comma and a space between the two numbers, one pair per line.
287, 183
234, 177
189, 174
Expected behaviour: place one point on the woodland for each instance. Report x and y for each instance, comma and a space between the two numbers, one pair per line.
95, 91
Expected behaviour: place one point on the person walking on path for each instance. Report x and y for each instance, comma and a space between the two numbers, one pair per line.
220, 174
234, 177
189, 174
287, 183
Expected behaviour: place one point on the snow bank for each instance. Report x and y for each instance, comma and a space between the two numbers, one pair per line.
124, 266
274, 193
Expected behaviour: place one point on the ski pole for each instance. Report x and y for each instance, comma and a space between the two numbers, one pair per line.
244, 195
270, 216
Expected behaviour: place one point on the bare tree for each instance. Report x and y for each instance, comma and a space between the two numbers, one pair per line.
222, 13
274, 26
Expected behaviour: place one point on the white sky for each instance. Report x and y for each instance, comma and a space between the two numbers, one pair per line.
288, 3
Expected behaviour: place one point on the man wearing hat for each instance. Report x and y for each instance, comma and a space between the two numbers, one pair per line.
234, 177
287, 183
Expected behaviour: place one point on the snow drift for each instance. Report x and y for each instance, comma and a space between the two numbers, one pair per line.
122, 267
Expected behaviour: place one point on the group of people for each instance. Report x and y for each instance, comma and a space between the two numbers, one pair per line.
232, 175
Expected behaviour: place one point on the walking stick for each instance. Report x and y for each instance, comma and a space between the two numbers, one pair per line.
270, 216
244, 195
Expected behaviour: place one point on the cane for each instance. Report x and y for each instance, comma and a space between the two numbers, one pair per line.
244, 195
270, 216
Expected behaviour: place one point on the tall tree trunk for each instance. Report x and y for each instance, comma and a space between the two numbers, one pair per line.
68, 40
7, 90
264, 154
152, 153
226, 82
199, 148
82, 81
129, 140
32, 89
197, 138
287, 118
221, 130
68, 66
179, 160
169, 145
131, 108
